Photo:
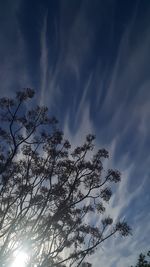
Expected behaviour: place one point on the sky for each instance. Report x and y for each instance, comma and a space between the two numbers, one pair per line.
89, 62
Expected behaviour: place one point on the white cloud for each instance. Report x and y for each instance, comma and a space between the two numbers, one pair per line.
85, 127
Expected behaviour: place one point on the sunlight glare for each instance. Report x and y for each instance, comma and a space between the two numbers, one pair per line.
20, 259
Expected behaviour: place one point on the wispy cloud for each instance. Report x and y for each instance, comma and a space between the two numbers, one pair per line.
110, 101
84, 127
44, 60
127, 104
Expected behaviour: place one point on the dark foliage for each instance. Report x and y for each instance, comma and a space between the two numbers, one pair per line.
143, 260
48, 192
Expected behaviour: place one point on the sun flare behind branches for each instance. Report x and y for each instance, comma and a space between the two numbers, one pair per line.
20, 259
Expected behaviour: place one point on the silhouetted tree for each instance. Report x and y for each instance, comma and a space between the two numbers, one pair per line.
49, 192
143, 260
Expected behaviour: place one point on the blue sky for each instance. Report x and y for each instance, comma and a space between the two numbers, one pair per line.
89, 62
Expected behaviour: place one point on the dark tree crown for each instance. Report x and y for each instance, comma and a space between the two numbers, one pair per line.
48, 190
143, 260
